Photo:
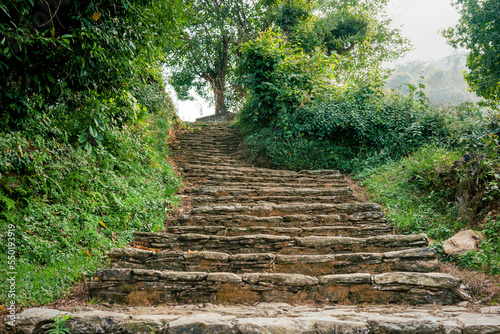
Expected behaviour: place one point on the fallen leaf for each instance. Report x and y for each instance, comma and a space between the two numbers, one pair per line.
102, 224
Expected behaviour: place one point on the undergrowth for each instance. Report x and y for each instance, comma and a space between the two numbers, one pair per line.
439, 192
69, 205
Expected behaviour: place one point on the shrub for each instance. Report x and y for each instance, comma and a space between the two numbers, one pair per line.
69, 205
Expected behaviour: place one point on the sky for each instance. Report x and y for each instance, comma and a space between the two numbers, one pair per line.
419, 20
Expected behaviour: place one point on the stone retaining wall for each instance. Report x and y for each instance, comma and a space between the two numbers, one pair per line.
221, 117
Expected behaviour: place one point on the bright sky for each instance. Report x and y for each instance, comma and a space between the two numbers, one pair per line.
420, 21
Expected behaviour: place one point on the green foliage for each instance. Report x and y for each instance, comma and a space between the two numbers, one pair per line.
64, 49
279, 78
416, 203
402, 187
69, 207
212, 37
59, 325
353, 129
361, 33
479, 32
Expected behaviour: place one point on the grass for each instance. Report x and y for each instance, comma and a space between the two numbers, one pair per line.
417, 196
410, 208
69, 207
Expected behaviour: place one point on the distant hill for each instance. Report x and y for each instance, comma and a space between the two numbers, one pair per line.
443, 79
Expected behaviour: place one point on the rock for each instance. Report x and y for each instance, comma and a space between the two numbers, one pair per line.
96, 322
224, 278
210, 323
346, 279
463, 242
285, 279
396, 325
480, 323
35, 318
431, 280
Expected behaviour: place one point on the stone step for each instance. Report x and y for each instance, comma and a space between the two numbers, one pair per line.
188, 159
223, 162
242, 199
288, 181
224, 195
183, 160
205, 195
126, 285
363, 230
271, 209
209, 148
266, 243
264, 318
356, 220
414, 260
203, 156
250, 190
210, 140
223, 182
239, 170
197, 152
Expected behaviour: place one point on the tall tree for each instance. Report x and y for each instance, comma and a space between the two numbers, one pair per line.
211, 41
77, 46
479, 32
364, 29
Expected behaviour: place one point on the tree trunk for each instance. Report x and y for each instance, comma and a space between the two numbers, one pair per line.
219, 79
220, 105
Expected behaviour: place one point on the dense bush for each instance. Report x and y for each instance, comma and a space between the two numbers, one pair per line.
353, 129
68, 206
437, 192
279, 78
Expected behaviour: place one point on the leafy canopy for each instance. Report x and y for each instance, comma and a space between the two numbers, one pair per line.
52, 47
479, 32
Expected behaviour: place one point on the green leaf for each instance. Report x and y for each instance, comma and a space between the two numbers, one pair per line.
8, 202
88, 147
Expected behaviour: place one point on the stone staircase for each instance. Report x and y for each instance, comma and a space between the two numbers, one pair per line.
256, 235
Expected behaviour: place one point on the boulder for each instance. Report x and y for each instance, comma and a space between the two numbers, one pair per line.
463, 242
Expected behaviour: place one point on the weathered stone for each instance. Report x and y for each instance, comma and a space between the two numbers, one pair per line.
347, 279
480, 323
432, 280
463, 242
327, 241
130, 252
426, 252
96, 322
30, 320
284, 279
223, 278
114, 274
287, 259
252, 257
216, 256
183, 276
211, 323
398, 325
